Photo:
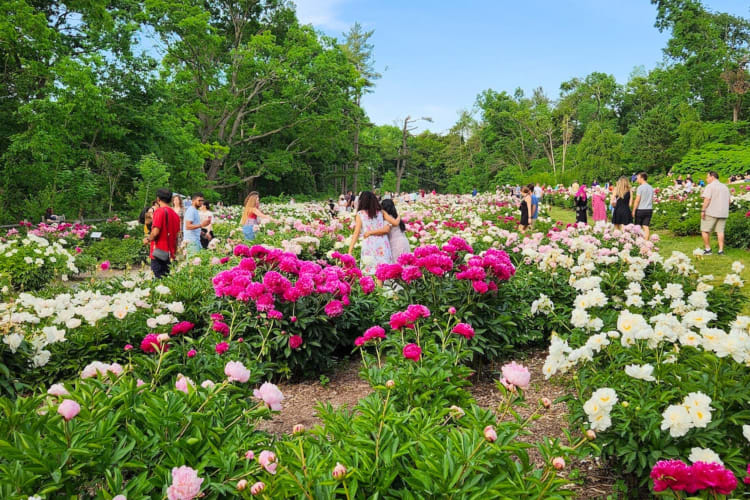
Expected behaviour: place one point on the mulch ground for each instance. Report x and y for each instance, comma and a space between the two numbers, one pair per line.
592, 480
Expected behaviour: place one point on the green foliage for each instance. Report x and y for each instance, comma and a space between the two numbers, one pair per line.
725, 159
121, 253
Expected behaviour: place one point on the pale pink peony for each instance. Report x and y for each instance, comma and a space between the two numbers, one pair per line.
68, 409
490, 434
257, 488
139, 383
57, 390
250, 454
558, 463
120, 497
236, 372
516, 375
208, 384
186, 484
241, 484
115, 368
183, 382
267, 460
270, 394
162, 338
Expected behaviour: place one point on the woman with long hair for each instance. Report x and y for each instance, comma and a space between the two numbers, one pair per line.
396, 233
369, 223
179, 209
581, 205
250, 214
621, 200
526, 209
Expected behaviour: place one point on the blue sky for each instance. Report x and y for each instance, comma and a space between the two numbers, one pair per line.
436, 56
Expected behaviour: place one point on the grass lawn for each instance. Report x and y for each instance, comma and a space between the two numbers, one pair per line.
718, 265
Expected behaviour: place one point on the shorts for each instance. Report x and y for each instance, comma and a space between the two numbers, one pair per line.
248, 231
711, 224
193, 247
643, 217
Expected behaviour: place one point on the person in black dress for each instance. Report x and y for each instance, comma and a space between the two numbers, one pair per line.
581, 205
525, 208
621, 200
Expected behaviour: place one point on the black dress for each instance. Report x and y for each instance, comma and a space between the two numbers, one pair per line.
581, 209
524, 213
622, 213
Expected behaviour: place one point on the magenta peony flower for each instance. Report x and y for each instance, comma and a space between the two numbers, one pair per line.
236, 372
150, 343
480, 287
374, 332
400, 320
128, 347
68, 409
270, 394
78, 250
412, 351
221, 348
416, 311
712, 476
274, 314
295, 341
452, 310
104, 265
359, 341
517, 375
217, 317
267, 460
191, 353
465, 330
186, 485
182, 327
672, 474
293, 319
221, 327
334, 308
367, 284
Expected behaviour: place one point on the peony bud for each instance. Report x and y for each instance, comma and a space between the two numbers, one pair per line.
128, 347
68, 409
241, 484
590, 434
558, 463
451, 310
250, 454
298, 428
339, 472
257, 488
546, 402
390, 384
163, 337
457, 411
490, 434
191, 353
625, 404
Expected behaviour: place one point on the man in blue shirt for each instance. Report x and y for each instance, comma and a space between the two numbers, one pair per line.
534, 215
191, 228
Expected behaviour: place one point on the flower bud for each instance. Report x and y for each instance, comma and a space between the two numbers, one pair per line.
390, 384
625, 404
339, 472
241, 484
558, 463
257, 488
298, 428
457, 411
128, 347
490, 434
250, 454
163, 337
451, 310
590, 434
546, 402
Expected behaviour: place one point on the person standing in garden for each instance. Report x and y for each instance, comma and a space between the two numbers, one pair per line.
621, 200
370, 223
714, 212
598, 205
643, 207
192, 226
534, 205
581, 205
525, 208
250, 214
163, 236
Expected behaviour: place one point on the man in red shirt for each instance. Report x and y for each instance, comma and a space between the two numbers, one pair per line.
163, 238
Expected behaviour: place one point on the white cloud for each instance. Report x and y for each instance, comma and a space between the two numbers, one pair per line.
322, 14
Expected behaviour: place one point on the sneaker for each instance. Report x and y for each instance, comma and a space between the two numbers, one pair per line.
720, 252
707, 252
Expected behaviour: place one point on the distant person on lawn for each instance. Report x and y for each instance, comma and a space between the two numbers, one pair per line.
714, 212
643, 207
192, 226
163, 237
534, 206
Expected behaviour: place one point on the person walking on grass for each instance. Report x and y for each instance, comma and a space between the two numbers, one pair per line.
621, 201
643, 207
369, 223
534, 205
714, 212
192, 226
581, 205
163, 236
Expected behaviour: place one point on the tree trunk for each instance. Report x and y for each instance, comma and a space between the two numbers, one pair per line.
357, 126
403, 151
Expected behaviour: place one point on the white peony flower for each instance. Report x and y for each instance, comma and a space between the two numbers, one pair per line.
642, 372
706, 455
677, 419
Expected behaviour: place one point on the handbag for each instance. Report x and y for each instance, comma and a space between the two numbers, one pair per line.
158, 253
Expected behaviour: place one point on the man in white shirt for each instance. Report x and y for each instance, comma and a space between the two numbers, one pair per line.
714, 212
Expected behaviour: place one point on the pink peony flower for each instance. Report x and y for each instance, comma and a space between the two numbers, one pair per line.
250, 454
558, 463
334, 308
412, 351
68, 409
120, 497
258, 487
672, 474
191, 353
236, 372
221, 327
293, 319
712, 476
516, 375
746, 480
465, 330
150, 343
78, 250
295, 341
182, 327
104, 265
217, 317
57, 390
128, 347
367, 284
270, 394
221, 348
374, 332
139, 383
490, 434
452, 310
183, 383
267, 460
186, 485
339, 472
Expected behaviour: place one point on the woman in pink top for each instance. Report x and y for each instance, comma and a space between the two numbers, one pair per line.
599, 205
